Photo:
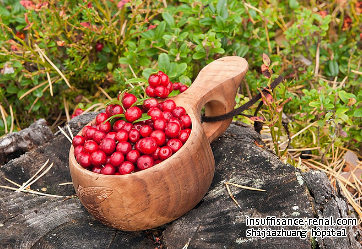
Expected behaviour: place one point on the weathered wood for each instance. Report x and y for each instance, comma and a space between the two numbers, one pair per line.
162, 193
17, 143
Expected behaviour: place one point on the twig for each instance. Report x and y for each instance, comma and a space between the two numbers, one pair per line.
231, 195
65, 134
299, 132
30, 183
31, 178
70, 132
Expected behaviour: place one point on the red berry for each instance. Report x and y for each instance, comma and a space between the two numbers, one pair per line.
168, 105
101, 117
127, 127
85, 129
108, 169
167, 115
99, 47
176, 86
183, 136
105, 127
159, 124
132, 156
124, 147
78, 140
111, 135
169, 87
85, 160
78, 150
175, 144
144, 162
90, 146
154, 80
149, 103
118, 125
178, 111
98, 158
122, 135
146, 130
89, 133
159, 136
183, 88
147, 145
97, 170
186, 121
98, 136
133, 113
172, 130
156, 154
165, 152
155, 113
126, 168
107, 145
109, 110
161, 92
116, 158
164, 80
134, 135
128, 100
117, 109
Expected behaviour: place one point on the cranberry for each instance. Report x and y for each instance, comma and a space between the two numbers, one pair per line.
133, 113
159, 136
107, 145
147, 145
128, 100
146, 130
134, 135
154, 80
108, 169
162, 92
144, 162
116, 158
172, 130
183, 136
124, 147
126, 168
178, 111
175, 144
159, 124
85, 160
149, 103
122, 135
138, 125
150, 91
168, 105
98, 158
111, 135
132, 156
98, 136
78, 140
105, 127
101, 117
117, 109
118, 125
186, 121
165, 152
90, 146
155, 113
99, 47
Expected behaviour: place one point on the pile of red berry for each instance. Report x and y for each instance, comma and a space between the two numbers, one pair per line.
160, 86
132, 135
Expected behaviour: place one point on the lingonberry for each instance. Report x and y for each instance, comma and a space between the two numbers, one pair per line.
146, 130
147, 145
161, 92
149, 103
168, 105
175, 144
169, 87
159, 124
134, 135
154, 80
155, 113
159, 136
124, 147
89, 133
150, 91
108, 169
132, 156
90, 146
164, 80
127, 127
183, 88
118, 125
126, 168
116, 158
112, 135
107, 145
78, 140
156, 154
144, 162
186, 121
105, 127
165, 152
98, 158
97, 170
122, 135
78, 150
183, 136
109, 110
178, 111
98, 136
117, 109
99, 47
133, 113
176, 86
167, 115
172, 130
176, 120
128, 100
85, 159
101, 117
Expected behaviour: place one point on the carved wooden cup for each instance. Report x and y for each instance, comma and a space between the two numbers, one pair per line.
164, 192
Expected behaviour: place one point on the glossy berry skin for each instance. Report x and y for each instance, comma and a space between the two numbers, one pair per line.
183, 88
168, 105
147, 145
107, 145
164, 80
132, 156
154, 80
109, 110
155, 113
134, 135
126, 168
159, 124
159, 136
175, 144
124, 147
105, 127
116, 158
85, 160
127, 127
178, 112
172, 130
117, 109
186, 121
99, 47
145, 162
97, 170
90, 146
77, 150
161, 92
146, 130
183, 136
122, 135
98, 158
111, 135
149, 103
98, 136
108, 169
118, 125
165, 152
89, 133
133, 113
128, 100
101, 117
78, 140
150, 91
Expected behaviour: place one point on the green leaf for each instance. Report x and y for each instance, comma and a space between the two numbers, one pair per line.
293, 4
12, 89
139, 102
333, 68
164, 62
168, 19
185, 80
315, 104
198, 55
217, 50
242, 51
221, 9
143, 118
136, 80
124, 60
149, 34
358, 113
159, 30
148, 71
181, 68
113, 117
320, 123
345, 97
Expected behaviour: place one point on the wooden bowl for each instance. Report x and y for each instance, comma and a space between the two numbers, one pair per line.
164, 192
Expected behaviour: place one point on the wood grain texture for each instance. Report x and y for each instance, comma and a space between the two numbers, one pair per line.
161, 194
